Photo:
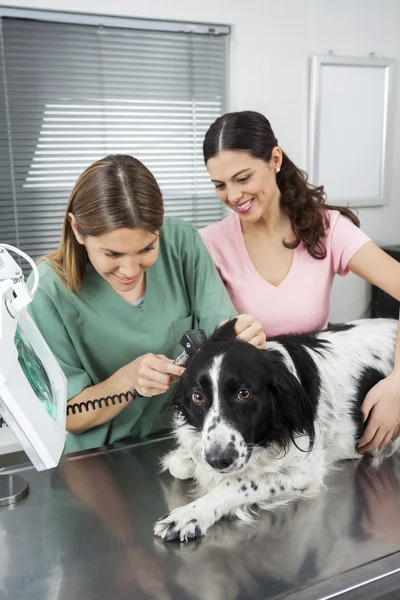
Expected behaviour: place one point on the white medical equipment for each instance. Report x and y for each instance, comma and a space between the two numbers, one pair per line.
33, 388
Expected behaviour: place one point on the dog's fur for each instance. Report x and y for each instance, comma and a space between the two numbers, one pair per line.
262, 427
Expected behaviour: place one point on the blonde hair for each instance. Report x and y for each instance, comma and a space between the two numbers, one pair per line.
116, 191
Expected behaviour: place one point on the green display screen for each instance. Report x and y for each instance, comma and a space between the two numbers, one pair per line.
35, 372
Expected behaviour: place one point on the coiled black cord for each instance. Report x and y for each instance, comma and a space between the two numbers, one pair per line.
92, 404
100, 402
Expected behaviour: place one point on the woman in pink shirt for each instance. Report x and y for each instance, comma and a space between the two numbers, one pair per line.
281, 247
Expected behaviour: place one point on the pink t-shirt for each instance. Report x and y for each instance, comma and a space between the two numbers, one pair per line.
301, 302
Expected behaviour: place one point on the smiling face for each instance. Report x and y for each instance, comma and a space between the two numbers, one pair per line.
121, 257
247, 185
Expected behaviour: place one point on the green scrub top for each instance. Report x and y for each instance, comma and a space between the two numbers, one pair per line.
95, 332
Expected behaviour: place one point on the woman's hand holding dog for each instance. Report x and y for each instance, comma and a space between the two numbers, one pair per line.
382, 406
248, 329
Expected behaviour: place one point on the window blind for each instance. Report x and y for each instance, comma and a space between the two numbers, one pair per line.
72, 93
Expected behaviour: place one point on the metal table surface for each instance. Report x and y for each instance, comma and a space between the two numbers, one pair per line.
85, 532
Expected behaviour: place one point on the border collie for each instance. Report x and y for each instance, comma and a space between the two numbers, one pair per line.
260, 428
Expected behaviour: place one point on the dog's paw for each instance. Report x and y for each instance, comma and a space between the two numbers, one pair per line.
179, 464
183, 524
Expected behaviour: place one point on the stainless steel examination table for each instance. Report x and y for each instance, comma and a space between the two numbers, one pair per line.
85, 532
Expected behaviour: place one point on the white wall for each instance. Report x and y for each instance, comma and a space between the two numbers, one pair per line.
271, 43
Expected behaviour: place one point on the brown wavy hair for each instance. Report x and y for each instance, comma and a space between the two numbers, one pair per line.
116, 191
302, 202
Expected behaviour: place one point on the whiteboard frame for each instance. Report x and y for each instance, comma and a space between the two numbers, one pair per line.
318, 62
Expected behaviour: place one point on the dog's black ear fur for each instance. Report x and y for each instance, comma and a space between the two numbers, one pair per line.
296, 408
225, 332
176, 398
294, 411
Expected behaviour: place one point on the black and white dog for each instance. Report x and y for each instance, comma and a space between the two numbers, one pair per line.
263, 427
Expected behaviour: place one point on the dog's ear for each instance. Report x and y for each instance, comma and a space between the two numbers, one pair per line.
225, 332
176, 397
293, 410
176, 401
296, 408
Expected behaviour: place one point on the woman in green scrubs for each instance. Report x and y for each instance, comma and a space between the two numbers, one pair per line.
116, 297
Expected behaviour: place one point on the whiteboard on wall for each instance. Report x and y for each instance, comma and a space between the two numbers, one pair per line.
349, 113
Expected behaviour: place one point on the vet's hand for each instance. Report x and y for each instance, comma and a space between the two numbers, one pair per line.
250, 330
152, 374
382, 405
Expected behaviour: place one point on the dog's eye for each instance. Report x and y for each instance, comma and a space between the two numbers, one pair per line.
244, 394
198, 398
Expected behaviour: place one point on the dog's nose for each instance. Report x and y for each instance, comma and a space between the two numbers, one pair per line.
220, 459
